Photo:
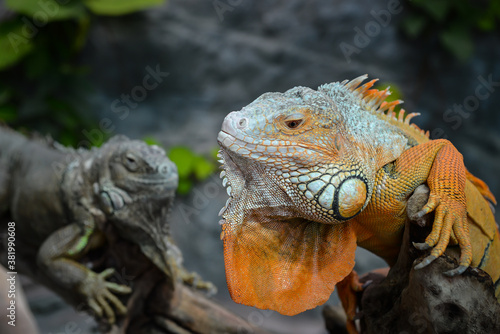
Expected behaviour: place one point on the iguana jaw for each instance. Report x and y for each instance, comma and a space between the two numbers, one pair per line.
242, 187
251, 187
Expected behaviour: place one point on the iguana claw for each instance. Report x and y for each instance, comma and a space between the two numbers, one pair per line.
97, 291
450, 215
425, 262
194, 280
457, 271
112, 198
421, 245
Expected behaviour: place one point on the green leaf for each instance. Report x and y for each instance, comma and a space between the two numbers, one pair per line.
486, 23
119, 7
15, 43
8, 113
151, 141
214, 152
40, 11
458, 42
394, 89
5, 94
81, 33
184, 158
494, 8
185, 186
67, 138
203, 168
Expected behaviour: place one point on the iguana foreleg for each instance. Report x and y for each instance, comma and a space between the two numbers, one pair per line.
57, 258
440, 165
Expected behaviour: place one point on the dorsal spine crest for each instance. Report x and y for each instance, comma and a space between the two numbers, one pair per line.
374, 101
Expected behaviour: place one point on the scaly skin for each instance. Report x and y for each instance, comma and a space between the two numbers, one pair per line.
312, 174
61, 200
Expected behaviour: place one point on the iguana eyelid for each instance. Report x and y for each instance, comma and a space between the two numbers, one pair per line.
131, 162
295, 116
130, 156
300, 118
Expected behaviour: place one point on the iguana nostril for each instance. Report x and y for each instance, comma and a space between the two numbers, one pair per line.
164, 168
242, 123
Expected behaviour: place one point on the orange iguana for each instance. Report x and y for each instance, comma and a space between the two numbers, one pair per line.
311, 174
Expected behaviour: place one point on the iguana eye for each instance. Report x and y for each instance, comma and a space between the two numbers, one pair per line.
294, 121
131, 162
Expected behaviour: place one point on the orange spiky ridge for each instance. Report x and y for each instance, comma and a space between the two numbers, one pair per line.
374, 101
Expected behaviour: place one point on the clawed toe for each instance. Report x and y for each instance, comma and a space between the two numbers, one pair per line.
425, 262
455, 272
421, 246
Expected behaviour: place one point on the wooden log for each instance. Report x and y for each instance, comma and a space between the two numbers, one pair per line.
162, 305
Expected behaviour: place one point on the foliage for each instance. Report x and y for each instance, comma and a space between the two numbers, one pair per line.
42, 87
454, 23
191, 167
119, 7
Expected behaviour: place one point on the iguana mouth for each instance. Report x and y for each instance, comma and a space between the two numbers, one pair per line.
245, 143
242, 146
153, 180
235, 142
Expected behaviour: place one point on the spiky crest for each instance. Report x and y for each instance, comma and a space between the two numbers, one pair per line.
374, 101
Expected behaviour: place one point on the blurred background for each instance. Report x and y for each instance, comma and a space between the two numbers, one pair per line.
169, 71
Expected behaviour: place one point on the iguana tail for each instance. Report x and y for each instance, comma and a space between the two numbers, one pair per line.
484, 233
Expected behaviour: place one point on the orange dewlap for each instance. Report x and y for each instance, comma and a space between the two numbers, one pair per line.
288, 267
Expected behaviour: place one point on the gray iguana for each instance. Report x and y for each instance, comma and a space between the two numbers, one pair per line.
62, 199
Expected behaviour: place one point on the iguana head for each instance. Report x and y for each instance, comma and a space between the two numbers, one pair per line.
298, 165
139, 168
136, 190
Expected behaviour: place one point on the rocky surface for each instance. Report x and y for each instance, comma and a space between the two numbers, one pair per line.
218, 62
